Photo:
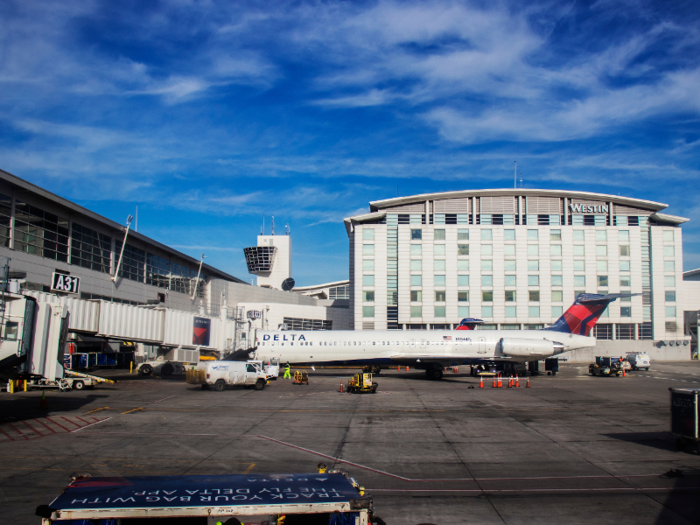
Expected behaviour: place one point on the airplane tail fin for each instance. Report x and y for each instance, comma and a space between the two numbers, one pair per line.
582, 316
469, 323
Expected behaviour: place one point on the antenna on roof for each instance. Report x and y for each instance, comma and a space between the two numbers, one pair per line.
286, 229
515, 175
262, 232
521, 180
273, 225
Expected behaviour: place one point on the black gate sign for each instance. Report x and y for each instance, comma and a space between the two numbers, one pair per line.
65, 283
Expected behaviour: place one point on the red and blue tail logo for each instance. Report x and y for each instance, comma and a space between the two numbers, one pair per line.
582, 316
469, 323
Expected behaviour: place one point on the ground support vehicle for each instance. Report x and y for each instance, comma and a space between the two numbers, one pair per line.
685, 417
362, 384
607, 366
638, 360
272, 368
190, 500
162, 367
301, 377
376, 370
220, 374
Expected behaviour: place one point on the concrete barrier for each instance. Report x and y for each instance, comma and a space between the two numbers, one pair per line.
620, 348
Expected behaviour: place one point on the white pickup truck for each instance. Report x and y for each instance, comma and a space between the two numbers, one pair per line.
219, 374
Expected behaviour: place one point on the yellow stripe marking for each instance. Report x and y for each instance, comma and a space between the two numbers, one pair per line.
97, 410
250, 467
132, 410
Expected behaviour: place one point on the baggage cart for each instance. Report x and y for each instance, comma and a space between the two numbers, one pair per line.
684, 417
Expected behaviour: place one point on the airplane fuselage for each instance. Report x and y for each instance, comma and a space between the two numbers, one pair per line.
444, 347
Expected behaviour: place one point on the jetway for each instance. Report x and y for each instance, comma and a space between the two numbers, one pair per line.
151, 325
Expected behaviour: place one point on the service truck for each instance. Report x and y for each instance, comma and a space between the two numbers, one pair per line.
219, 374
638, 360
608, 366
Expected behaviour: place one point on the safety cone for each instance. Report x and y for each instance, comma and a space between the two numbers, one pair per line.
455, 369
341, 386
399, 367
623, 373
528, 382
517, 382
481, 382
494, 382
500, 382
510, 382
406, 368
43, 404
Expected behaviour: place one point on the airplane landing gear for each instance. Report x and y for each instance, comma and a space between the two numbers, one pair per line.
434, 373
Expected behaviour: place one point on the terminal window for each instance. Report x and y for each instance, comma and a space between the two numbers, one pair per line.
91, 249
38, 232
294, 323
133, 265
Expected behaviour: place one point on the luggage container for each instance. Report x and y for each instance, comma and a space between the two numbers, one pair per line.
684, 417
185, 500
106, 359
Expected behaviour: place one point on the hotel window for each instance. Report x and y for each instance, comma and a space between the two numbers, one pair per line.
509, 235
368, 249
439, 249
510, 296
557, 280
509, 250
157, 271
133, 262
462, 297
579, 250
510, 280
439, 311
602, 281
462, 235
439, 235
368, 311
601, 235
368, 280
670, 311
510, 266
462, 280
670, 296
533, 311
534, 296
368, 297
668, 235
416, 249
416, 311
670, 280
439, 265
416, 235
533, 249
368, 264
555, 235
669, 251
462, 249
91, 249
486, 235
533, 280
624, 235
486, 265
557, 311
579, 280
439, 280
463, 265
556, 265
555, 250
557, 296
440, 296
601, 251
511, 311
669, 266
625, 311
532, 235
533, 266
602, 266
579, 235
416, 280
625, 281
416, 296
42, 233
487, 249
416, 265
624, 266
487, 280
579, 266
624, 250
487, 311
463, 311
368, 234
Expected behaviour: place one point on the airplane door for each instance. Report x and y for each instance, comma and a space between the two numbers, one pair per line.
483, 346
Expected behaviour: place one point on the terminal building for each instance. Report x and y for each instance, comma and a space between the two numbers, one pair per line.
516, 258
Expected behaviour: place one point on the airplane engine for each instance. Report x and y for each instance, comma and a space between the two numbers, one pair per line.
529, 347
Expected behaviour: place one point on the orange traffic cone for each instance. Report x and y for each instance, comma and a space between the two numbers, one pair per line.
43, 404
500, 382
455, 369
341, 386
406, 368
399, 367
517, 382
623, 373
481, 382
494, 382
528, 382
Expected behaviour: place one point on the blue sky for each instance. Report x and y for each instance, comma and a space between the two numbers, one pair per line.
210, 114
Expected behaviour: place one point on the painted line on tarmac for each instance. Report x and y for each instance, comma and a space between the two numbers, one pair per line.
169, 397
402, 478
247, 471
91, 424
97, 410
132, 410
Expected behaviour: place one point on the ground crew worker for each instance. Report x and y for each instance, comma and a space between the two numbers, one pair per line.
287, 369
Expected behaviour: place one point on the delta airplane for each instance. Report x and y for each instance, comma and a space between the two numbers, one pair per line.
433, 350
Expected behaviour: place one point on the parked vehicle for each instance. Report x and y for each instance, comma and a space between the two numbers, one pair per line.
608, 366
220, 374
638, 360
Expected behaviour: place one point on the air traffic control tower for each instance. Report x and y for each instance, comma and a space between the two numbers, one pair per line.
271, 261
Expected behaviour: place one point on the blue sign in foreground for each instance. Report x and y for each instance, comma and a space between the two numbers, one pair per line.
153, 492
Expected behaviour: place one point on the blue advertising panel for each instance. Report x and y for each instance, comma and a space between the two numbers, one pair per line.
201, 331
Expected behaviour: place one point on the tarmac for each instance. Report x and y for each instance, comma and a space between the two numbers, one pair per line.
570, 449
